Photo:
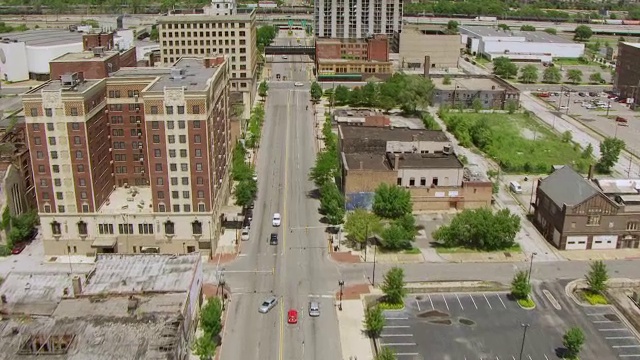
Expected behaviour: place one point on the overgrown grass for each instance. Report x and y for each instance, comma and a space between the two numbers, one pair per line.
461, 250
519, 143
593, 298
570, 61
527, 303
389, 306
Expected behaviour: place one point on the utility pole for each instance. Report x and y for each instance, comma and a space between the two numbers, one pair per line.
531, 267
373, 278
341, 283
524, 336
221, 283
366, 240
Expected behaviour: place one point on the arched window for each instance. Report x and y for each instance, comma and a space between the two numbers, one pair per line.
82, 228
169, 228
196, 227
56, 229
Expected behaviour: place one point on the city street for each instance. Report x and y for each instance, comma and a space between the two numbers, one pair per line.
297, 269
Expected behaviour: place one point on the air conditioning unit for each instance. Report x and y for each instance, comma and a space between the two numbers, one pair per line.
140, 146
110, 149
137, 121
106, 111
110, 162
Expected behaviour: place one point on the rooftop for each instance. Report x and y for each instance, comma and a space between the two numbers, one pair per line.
619, 186
33, 293
425, 161
133, 200
566, 186
355, 112
195, 77
636, 45
388, 134
470, 84
242, 14
44, 37
529, 36
84, 56
57, 85
366, 161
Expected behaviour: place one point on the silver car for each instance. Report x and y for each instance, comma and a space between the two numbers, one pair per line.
268, 304
314, 309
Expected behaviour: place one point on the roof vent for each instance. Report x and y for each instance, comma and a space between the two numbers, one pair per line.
447, 150
70, 80
177, 73
98, 51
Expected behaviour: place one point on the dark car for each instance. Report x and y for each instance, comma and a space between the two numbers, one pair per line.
273, 239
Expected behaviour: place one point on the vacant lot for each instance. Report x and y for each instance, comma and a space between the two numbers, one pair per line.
518, 142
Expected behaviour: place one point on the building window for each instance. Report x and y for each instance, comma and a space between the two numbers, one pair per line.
197, 139
412, 181
593, 220
48, 112
34, 112
169, 111
181, 124
195, 109
56, 228
632, 225
162, 208
201, 207
145, 229
196, 227
52, 140
125, 229
169, 228
434, 181
74, 111
153, 110
180, 109
82, 228
155, 125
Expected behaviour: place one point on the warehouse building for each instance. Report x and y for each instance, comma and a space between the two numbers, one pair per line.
419, 49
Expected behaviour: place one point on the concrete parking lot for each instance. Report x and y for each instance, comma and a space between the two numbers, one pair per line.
489, 326
621, 339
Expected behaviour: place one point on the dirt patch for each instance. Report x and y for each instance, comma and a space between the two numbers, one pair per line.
353, 292
345, 257
213, 290
467, 322
612, 317
433, 314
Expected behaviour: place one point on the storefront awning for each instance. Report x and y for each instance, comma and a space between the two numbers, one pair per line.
104, 243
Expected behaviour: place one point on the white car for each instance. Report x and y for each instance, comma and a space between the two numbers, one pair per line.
298, 84
284, 57
277, 219
564, 107
244, 235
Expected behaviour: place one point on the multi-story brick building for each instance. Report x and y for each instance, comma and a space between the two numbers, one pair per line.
199, 35
97, 63
137, 162
627, 77
363, 58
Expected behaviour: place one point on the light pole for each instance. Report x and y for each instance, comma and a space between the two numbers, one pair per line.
524, 336
221, 283
373, 278
531, 268
366, 240
608, 107
341, 283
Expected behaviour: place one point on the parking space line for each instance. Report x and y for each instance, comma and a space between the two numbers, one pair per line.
602, 321
487, 300
613, 329
598, 314
625, 346
619, 337
397, 318
459, 302
474, 303
513, 357
418, 303
431, 301
530, 357
395, 335
629, 355
400, 344
499, 298
545, 357
445, 301
397, 326
407, 354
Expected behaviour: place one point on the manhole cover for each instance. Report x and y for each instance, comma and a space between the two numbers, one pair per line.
441, 322
612, 317
433, 314
467, 322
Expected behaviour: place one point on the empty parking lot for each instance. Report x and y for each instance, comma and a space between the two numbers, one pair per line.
486, 326
614, 331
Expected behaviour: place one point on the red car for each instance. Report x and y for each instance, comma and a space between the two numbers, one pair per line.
293, 316
17, 248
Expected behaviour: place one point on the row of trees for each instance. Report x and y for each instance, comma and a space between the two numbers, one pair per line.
529, 74
211, 325
243, 173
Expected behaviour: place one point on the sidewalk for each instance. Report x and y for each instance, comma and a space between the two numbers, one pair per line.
355, 344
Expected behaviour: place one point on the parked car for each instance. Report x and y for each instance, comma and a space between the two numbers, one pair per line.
244, 235
268, 304
17, 248
273, 239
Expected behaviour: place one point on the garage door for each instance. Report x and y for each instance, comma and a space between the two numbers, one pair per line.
576, 243
604, 242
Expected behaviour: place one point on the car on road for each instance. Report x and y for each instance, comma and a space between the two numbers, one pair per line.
244, 235
17, 248
284, 57
292, 316
268, 304
563, 107
298, 84
273, 239
277, 220
248, 213
314, 309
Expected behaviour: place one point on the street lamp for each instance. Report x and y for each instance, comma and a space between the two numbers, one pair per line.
524, 336
366, 240
341, 283
531, 267
375, 251
221, 283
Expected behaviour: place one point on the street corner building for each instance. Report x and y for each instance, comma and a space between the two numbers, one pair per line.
128, 307
134, 163
577, 213
422, 161
353, 59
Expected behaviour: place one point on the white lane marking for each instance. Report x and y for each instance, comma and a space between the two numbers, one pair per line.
395, 335
499, 298
400, 344
474, 304
397, 318
488, 303
459, 302
445, 302
396, 326
602, 321
629, 355
619, 337
613, 329
625, 346
545, 357
322, 296
513, 357
598, 314
407, 354
530, 357
418, 303
242, 255
431, 301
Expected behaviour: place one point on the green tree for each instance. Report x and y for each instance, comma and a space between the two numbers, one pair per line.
567, 136
245, 192
596, 78
476, 104
154, 34
529, 74
551, 31
393, 286
552, 75
597, 277
587, 153
342, 95
504, 67
527, 28
356, 97
370, 94
610, 149
374, 321
386, 354
582, 32
325, 168
205, 347
573, 340
480, 229
361, 225
574, 75
520, 286
263, 88
211, 317
452, 27
332, 203
512, 106
504, 27
400, 233
264, 36
391, 202
316, 91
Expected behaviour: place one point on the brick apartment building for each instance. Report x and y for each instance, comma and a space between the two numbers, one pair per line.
137, 162
420, 160
363, 57
627, 77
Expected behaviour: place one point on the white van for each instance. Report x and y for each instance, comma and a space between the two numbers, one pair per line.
515, 187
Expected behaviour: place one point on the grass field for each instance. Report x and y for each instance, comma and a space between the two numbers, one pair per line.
517, 142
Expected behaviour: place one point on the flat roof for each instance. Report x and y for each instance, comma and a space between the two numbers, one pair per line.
33, 293
426, 161
242, 14
389, 134
619, 186
141, 273
356, 112
530, 36
44, 37
132, 200
196, 76
635, 45
55, 85
84, 56
472, 84
368, 161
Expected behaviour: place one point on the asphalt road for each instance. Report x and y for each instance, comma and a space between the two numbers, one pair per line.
298, 268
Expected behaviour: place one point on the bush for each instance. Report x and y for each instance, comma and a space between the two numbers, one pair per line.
593, 298
527, 303
389, 306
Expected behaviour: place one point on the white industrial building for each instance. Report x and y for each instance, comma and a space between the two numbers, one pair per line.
26, 55
518, 45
